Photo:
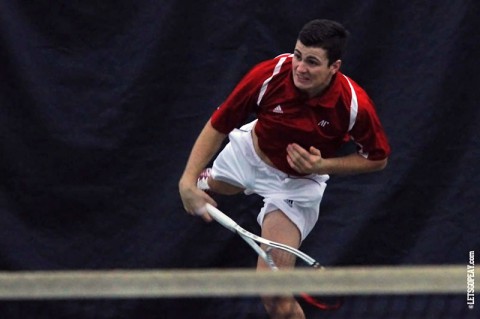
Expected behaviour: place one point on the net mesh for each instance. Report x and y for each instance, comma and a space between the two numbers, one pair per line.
368, 292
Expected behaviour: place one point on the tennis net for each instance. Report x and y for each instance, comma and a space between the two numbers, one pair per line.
368, 292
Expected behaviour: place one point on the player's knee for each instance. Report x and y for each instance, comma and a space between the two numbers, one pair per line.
283, 308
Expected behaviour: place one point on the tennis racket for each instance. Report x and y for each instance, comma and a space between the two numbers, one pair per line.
274, 249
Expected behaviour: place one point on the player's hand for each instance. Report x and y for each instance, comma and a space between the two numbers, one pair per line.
194, 201
303, 161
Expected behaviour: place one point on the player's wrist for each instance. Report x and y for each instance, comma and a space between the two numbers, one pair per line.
187, 183
326, 167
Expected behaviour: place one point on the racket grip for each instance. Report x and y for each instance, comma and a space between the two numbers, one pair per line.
221, 217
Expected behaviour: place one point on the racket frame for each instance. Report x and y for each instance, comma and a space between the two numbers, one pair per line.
252, 240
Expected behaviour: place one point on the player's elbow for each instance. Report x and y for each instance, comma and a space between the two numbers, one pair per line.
379, 165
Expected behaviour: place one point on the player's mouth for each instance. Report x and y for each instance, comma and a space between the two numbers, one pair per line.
301, 79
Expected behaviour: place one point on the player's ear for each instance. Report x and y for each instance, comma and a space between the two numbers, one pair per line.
335, 66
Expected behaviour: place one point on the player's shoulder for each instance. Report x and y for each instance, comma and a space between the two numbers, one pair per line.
284, 56
279, 62
276, 66
283, 61
347, 84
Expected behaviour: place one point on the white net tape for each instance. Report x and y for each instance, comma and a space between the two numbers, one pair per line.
231, 282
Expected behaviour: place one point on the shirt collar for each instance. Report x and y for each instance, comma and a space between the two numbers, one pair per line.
330, 96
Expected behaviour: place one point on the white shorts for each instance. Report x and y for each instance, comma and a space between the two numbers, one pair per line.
297, 197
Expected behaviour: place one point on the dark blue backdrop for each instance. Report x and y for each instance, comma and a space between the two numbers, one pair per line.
101, 101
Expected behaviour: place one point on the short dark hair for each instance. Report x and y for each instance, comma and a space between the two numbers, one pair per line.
326, 34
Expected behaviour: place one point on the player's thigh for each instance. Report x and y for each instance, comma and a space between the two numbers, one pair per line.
224, 188
278, 227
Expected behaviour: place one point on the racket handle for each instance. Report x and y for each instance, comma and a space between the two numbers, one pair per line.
221, 217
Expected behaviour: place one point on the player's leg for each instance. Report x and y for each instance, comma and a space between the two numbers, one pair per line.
278, 227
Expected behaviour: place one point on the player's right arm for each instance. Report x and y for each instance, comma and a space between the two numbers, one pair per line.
233, 112
206, 146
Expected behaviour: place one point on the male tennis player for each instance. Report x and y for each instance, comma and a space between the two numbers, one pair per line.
305, 109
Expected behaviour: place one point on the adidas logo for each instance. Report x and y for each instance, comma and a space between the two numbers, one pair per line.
289, 202
278, 109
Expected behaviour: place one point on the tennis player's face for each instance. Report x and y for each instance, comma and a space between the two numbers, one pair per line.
311, 72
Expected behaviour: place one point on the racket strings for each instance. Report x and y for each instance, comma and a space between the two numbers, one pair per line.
279, 258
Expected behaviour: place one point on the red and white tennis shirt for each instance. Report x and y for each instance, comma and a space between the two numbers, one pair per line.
287, 115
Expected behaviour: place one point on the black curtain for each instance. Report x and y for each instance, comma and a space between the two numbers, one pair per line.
101, 101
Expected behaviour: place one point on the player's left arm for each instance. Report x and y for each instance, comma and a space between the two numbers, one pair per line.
372, 153
311, 161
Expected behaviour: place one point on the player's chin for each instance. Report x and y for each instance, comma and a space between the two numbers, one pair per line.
302, 85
